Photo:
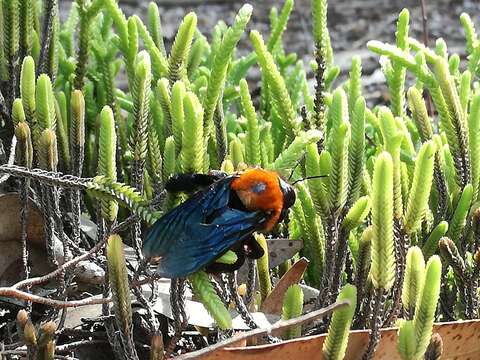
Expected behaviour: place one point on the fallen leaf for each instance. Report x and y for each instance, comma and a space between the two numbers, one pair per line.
10, 240
273, 303
10, 227
460, 342
11, 262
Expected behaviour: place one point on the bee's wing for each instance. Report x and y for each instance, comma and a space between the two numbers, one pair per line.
187, 243
207, 242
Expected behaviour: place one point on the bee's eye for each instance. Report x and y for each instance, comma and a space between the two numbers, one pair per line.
289, 196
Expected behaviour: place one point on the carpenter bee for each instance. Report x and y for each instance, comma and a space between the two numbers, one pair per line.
221, 216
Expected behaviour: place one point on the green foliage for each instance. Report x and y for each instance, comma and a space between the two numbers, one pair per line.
77, 132
263, 268
420, 188
363, 259
153, 41
321, 36
105, 189
356, 149
155, 27
203, 288
228, 258
47, 150
25, 148
252, 150
336, 341
414, 277
292, 308
45, 103
106, 159
18, 114
191, 155
383, 260
141, 107
221, 61
118, 278
338, 186
419, 113
276, 84
357, 213
279, 25
177, 113
289, 157
394, 72
427, 305
472, 44
312, 235
177, 61
406, 340
11, 29
431, 244
393, 138
459, 217
316, 186
64, 147
27, 89
474, 142
457, 121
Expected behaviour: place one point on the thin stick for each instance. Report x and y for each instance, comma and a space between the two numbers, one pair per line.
11, 158
424, 22
77, 344
59, 270
24, 353
314, 315
18, 294
425, 42
146, 280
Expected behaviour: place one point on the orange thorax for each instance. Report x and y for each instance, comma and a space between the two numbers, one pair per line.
259, 189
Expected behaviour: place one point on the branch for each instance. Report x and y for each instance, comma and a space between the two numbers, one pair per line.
314, 315
25, 352
77, 344
59, 270
22, 295
11, 159
13, 291
146, 280
48, 177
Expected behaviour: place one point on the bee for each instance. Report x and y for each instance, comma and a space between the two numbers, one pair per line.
221, 216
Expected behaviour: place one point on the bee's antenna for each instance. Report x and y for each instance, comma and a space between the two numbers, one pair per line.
308, 178
294, 168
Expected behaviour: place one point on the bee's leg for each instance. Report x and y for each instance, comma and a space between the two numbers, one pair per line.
249, 248
253, 250
191, 182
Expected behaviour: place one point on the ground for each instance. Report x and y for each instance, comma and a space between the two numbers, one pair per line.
351, 22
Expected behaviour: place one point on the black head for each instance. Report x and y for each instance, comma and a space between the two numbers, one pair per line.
289, 197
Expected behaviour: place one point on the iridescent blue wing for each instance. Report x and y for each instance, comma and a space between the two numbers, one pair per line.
198, 231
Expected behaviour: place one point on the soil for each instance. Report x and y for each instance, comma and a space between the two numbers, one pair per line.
351, 23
